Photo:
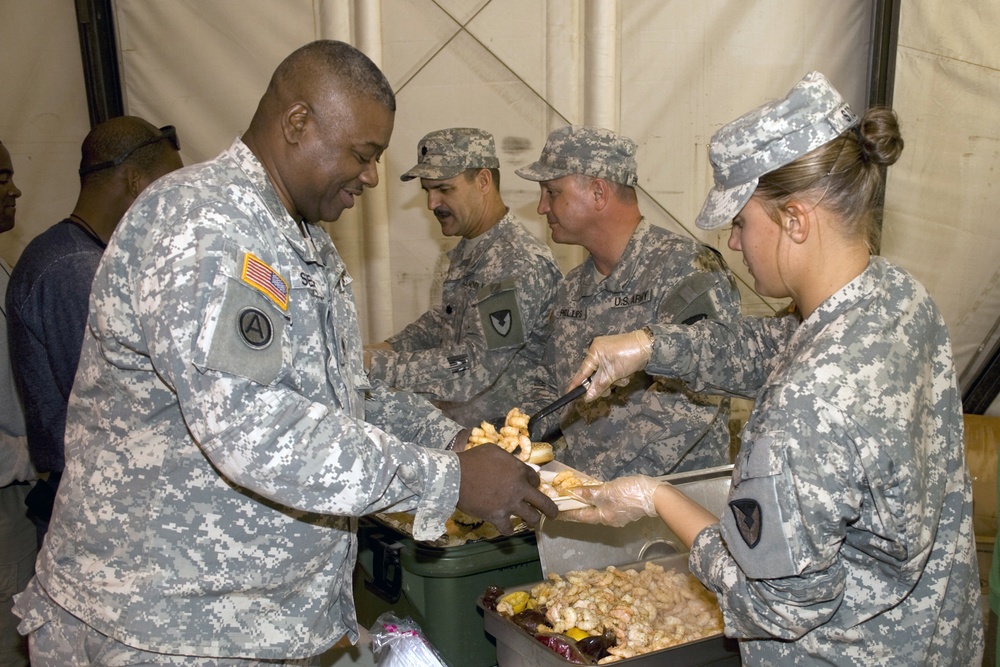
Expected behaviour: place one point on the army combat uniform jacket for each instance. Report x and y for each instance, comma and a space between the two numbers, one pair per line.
652, 426
221, 432
848, 533
464, 353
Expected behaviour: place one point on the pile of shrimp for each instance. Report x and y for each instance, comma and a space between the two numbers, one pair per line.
512, 437
648, 609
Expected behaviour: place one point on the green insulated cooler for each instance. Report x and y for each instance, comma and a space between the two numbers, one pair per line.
438, 587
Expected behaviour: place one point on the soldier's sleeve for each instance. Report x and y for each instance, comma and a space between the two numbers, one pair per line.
421, 334
409, 417
222, 346
495, 328
707, 292
775, 559
717, 356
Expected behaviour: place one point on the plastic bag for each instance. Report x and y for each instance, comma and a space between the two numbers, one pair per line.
400, 643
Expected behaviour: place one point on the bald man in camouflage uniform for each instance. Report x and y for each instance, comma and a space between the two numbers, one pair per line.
469, 354
222, 435
637, 274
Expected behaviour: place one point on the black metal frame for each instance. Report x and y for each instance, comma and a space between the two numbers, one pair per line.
981, 391
99, 49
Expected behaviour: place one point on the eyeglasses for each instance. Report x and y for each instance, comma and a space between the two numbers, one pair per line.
168, 132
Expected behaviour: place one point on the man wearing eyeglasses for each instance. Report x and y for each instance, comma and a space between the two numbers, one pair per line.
50, 286
222, 436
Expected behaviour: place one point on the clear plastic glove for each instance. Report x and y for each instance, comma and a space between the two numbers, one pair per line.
611, 360
616, 503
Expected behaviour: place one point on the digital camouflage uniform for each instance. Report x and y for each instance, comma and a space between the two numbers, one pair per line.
652, 426
221, 432
468, 353
848, 537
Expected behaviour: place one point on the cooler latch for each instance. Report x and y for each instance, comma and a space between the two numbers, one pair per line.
387, 573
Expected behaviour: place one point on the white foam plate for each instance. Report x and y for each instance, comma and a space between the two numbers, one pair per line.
549, 471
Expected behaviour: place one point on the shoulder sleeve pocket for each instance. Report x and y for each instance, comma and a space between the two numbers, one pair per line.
500, 314
755, 521
247, 336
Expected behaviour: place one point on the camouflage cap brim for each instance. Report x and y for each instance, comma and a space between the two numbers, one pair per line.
433, 172
539, 171
447, 153
768, 138
723, 204
592, 151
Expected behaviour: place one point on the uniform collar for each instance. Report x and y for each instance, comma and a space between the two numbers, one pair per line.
286, 225
624, 270
849, 295
483, 245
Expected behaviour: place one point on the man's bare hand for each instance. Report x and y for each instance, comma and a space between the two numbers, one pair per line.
496, 485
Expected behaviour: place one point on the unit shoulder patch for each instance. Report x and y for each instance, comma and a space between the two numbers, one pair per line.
501, 318
746, 512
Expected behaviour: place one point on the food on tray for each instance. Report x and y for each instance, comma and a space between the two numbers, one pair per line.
460, 528
512, 437
559, 484
564, 481
617, 613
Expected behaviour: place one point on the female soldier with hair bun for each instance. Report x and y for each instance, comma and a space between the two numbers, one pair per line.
847, 538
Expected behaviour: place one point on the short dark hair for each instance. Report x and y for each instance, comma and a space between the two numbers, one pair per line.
115, 137
354, 70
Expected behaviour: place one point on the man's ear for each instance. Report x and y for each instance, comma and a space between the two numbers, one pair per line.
293, 121
134, 179
601, 192
484, 180
797, 219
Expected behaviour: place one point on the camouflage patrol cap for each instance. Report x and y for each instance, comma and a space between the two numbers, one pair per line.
447, 153
577, 149
771, 136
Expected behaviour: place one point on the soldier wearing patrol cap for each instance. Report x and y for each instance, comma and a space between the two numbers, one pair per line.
638, 273
848, 538
222, 436
468, 354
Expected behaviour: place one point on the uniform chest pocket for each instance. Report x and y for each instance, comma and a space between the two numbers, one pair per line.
248, 337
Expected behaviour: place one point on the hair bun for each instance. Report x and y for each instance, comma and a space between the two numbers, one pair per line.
880, 141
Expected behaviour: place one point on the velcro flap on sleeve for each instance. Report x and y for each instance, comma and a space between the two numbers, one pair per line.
500, 315
248, 336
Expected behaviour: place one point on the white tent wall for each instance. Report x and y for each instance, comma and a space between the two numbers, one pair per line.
667, 73
941, 221
43, 113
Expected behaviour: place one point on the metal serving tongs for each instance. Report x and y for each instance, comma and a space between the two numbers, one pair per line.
567, 398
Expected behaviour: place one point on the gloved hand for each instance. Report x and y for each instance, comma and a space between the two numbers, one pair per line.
616, 503
611, 360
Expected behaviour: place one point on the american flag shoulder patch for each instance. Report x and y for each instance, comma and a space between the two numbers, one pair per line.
259, 275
